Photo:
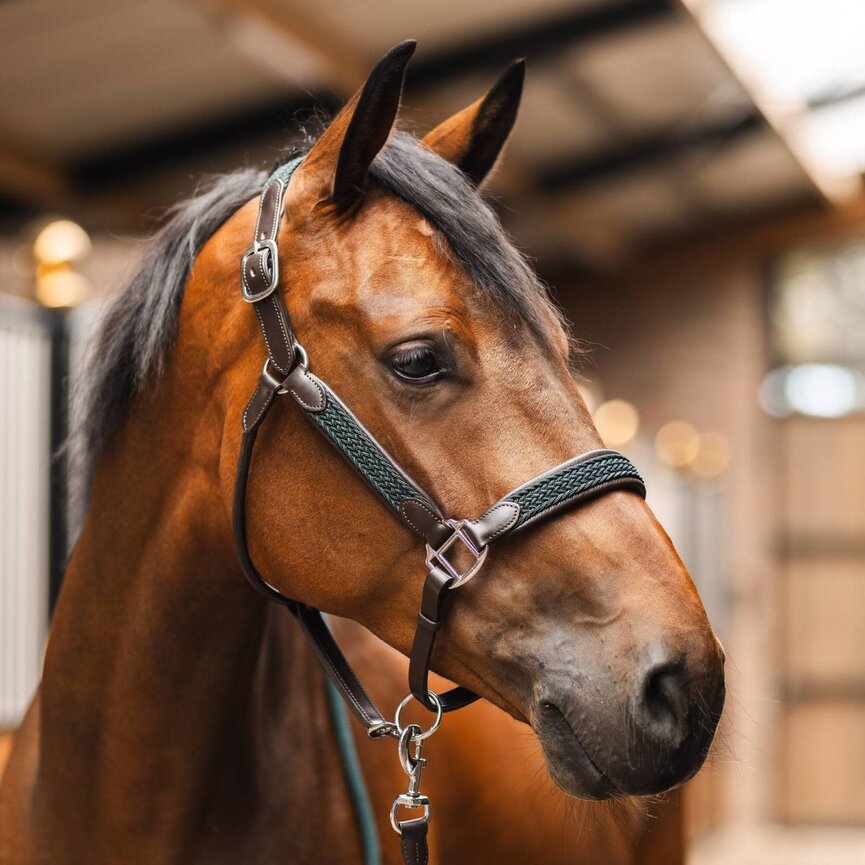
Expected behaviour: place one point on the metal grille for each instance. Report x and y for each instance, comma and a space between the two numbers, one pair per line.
25, 480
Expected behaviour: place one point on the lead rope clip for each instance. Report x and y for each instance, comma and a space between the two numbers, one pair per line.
413, 766
412, 737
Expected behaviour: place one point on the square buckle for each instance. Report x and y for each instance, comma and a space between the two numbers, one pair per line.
270, 246
437, 558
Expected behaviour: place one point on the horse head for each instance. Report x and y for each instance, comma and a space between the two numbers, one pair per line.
416, 308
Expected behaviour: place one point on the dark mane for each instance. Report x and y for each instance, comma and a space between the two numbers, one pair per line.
139, 325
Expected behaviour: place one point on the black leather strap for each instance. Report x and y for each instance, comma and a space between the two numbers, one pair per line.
361, 449
328, 653
413, 841
434, 603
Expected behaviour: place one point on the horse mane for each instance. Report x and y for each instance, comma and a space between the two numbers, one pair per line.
138, 327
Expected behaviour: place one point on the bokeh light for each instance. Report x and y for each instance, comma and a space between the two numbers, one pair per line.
617, 422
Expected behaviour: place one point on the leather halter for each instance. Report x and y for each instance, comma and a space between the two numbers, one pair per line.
286, 372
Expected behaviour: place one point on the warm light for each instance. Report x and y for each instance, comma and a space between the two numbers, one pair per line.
677, 443
61, 241
713, 455
57, 247
617, 422
61, 287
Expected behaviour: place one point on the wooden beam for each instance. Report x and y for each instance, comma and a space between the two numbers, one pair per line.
644, 153
25, 179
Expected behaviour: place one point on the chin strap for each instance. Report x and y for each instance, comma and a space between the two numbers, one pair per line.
455, 549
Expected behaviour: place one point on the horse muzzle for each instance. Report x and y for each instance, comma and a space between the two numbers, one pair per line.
601, 741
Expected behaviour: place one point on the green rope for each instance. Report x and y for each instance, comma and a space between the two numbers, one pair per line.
354, 777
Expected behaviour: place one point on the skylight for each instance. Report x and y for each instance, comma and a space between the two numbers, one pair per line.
804, 63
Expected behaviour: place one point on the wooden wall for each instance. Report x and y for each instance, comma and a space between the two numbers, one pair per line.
683, 336
822, 545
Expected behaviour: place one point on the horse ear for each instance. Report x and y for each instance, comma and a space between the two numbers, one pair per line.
350, 143
473, 138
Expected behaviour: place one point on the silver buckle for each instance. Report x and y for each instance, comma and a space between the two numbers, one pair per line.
438, 556
270, 246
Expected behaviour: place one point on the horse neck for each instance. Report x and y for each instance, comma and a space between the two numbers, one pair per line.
166, 677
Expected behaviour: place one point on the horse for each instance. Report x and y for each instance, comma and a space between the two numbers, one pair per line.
181, 717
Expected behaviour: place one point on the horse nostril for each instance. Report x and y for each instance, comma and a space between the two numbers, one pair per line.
663, 707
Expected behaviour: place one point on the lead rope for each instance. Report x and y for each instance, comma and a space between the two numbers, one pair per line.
354, 777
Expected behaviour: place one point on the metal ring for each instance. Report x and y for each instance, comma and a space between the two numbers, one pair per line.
435, 724
304, 357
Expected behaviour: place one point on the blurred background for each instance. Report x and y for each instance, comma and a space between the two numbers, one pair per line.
687, 177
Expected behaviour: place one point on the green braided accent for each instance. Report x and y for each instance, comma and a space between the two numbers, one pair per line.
284, 172
357, 447
570, 481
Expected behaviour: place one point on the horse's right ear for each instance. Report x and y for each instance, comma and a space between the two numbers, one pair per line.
473, 138
341, 157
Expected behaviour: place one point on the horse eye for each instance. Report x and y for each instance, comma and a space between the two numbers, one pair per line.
417, 364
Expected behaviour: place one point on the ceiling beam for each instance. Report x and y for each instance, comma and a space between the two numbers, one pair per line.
340, 66
163, 153
836, 97
645, 153
246, 127
34, 181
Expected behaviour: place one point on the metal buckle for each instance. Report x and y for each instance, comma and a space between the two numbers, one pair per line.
438, 557
270, 246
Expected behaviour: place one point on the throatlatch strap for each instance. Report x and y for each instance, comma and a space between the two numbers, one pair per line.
327, 652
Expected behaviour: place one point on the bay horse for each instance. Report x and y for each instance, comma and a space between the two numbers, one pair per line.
181, 718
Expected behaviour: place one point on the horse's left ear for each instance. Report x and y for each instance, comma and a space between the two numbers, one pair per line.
473, 138
343, 154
